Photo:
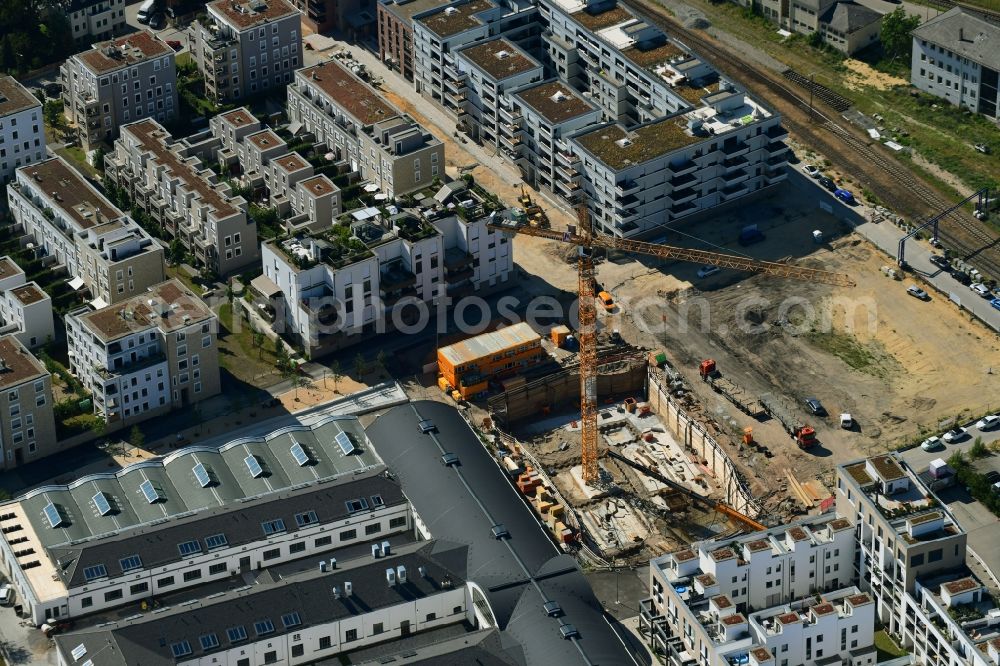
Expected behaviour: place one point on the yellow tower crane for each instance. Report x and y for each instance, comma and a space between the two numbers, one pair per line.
584, 237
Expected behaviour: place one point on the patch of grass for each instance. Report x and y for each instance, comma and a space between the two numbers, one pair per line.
870, 358
886, 647
247, 362
78, 158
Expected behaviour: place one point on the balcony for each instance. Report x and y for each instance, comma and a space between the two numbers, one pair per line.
512, 142
733, 191
735, 177
682, 209
456, 98
735, 149
457, 83
777, 147
567, 173
683, 196
682, 181
566, 158
626, 188
626, 215
684, 168
390, 298
776, 132
508, 115
774, 176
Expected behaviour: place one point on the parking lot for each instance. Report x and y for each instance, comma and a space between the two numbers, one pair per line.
167, 33
977, 520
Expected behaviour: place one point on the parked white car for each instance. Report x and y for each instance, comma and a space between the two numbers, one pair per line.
6, 594
988, 422
955, 435
980, 289
811, 171
931, 444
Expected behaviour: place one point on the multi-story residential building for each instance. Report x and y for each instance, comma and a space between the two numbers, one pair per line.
395, 32
336, 288
198, 515
953, 59
96, 19
25, 309
117, 82
101, 247
902, 531
151, 354
385, 147
246, 47
350, 18
166, 179
650, 133
22, 135
27, 424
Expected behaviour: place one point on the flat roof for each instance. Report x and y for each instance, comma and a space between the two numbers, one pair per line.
291, 162
239, 117
887, 468
66, 189
602, 15
555, 101
485, 344
654, 56
168, 306
29, 293
266, 139
319, 185
499, 58
243, 14
349, 92
17, 364
14, 97
460, 504
620, 149
456, 18
405, 11
126, 51
152, 136
148, 639
9, 267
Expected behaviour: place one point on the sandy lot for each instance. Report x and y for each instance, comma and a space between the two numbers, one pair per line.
862, 75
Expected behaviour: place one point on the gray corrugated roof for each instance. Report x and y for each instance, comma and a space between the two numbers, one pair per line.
965, 32
175, 482
148, 641
848, 17
156, 545
452, 513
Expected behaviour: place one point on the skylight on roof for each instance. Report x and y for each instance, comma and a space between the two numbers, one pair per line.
79, 651
209, 641
291, 620
346, 445
216, 541
95, 572
264, 627
299, 453
102, 504
52, 515
149, 492
201, 475
275, 526
236, 634
254, 466
129, 563
189, 547
181, 649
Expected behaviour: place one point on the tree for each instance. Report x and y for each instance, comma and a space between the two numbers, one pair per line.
815, 39
359, 364
335, 373
382, 359
978, 449
258, 342
99, 160
175, 255
897, 40
230, 292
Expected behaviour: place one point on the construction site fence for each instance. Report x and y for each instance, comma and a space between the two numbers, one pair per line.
692, 434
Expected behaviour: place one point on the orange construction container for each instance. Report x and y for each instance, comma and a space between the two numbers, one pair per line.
443, 384
559, 334
469, 365
630, 404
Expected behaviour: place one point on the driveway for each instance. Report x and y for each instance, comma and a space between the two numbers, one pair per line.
167, 33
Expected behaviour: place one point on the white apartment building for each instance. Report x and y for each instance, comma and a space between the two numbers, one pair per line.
25, 310
356, 124
22, 134
657, 135
305, 617
246, 47
151, 354
337, 288
96, 19
166, 179
27, 424
702, 596
953, 58
118, 82
103, 249
198, 515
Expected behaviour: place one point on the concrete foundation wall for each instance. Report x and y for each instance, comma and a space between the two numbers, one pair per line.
692, 435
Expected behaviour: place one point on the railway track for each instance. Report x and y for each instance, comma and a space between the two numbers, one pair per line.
838, 103
959, 231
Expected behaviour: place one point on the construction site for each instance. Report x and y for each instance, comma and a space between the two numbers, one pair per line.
698, 384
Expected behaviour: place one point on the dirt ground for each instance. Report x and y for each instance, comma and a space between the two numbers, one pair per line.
862, 75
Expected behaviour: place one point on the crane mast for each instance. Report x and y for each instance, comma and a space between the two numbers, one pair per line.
588, 347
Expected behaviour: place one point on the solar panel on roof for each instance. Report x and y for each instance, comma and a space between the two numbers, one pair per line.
255, 469
102, 504
149, 492
201, 474
300, 455
346, 445
52, 515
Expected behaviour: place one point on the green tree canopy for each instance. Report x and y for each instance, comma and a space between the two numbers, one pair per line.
897, 29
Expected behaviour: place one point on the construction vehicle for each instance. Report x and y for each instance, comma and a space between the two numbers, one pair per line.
587, 241
732, 391
744, 520
536, 216
804, 436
